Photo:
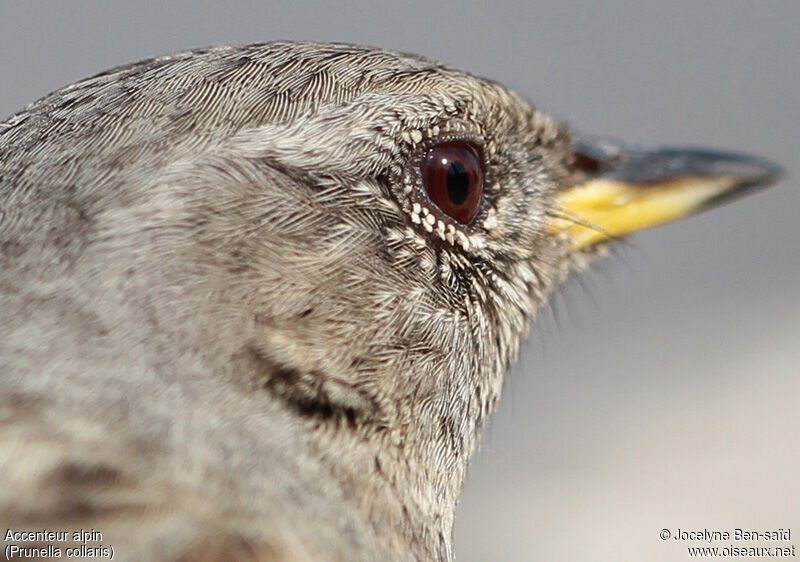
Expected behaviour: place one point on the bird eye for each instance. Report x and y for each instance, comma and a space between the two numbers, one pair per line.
453, 179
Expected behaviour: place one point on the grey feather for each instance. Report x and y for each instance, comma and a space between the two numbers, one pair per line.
225, 331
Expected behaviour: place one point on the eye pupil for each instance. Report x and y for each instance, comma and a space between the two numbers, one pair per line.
457, 183
453, 180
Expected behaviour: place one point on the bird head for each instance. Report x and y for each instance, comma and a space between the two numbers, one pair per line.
405, 221
350, 241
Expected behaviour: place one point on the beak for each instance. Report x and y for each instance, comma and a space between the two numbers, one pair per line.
622, 189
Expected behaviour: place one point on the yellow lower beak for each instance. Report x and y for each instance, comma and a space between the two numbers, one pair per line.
640, 191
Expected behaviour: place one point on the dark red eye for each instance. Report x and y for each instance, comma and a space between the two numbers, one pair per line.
453, 179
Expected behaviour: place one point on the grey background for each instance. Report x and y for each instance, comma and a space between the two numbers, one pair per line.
662, 391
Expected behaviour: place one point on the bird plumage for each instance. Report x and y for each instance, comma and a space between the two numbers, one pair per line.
233, 327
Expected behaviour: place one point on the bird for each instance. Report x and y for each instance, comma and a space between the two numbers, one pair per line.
258, 302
